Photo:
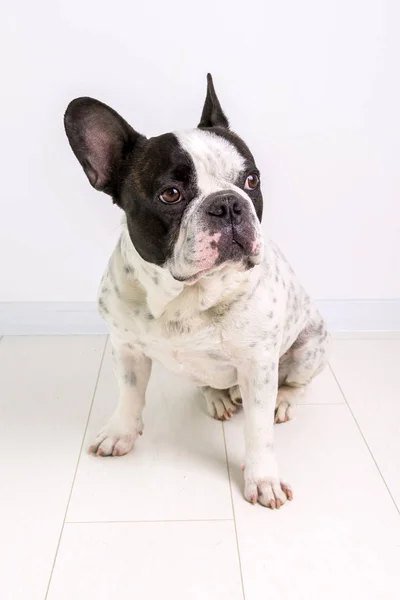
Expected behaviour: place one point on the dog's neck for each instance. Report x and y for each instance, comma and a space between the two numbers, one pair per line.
162, 289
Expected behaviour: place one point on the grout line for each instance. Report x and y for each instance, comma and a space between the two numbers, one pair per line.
233, 511
147, 521
364, 438
76, 466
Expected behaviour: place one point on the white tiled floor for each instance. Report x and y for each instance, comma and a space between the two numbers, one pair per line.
169, 520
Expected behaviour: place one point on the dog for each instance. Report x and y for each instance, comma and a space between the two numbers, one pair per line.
193, 284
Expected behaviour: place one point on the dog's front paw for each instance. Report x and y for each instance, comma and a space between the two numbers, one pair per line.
269, 492
117, 437
262, 483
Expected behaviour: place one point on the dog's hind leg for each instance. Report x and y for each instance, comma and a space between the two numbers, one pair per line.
299, 365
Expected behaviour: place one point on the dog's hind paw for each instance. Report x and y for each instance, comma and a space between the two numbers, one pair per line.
219, 404
284, 408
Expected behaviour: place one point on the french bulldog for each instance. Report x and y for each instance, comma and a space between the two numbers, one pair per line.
193, 284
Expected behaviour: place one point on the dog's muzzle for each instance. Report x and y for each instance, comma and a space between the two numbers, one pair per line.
232, 216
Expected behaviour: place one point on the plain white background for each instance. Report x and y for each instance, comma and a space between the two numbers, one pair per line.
312, 86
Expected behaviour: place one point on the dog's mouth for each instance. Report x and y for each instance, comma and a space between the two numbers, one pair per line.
191, 279
237, 249
245, 264
210, 251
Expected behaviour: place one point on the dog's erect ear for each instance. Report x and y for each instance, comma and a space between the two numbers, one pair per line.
100, 139
212, 115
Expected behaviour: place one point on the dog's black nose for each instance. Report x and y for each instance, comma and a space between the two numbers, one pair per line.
228, 207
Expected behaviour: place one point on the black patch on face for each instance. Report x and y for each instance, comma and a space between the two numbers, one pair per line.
154, 225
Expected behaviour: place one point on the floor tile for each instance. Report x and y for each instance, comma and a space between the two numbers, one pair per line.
46, 387
180, 560
177, 469
341, 509
302, 571
368, 373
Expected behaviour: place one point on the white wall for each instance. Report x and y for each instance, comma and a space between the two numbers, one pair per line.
312, 86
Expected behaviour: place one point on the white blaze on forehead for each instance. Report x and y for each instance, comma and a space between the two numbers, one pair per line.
217, 162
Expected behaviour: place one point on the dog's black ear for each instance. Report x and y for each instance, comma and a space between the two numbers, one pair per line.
212, 115
101, 140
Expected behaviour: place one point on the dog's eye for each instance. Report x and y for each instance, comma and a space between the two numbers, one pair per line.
252, 182
170, 196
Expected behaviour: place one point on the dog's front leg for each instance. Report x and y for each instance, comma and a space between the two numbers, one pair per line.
132, 369
259, 387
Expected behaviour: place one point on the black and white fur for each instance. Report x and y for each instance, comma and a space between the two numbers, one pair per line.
193, 284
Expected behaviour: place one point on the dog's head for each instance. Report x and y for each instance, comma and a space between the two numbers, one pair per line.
192, 200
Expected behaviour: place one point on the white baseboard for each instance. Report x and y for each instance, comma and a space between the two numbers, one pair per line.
74, 318
50, 318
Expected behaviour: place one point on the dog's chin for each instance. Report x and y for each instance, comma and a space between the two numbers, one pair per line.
244, 264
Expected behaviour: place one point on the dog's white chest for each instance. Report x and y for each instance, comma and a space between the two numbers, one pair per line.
202, 368
184, 346
199, 358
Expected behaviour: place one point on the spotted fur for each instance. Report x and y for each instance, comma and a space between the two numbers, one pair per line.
207, 297
231, 330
